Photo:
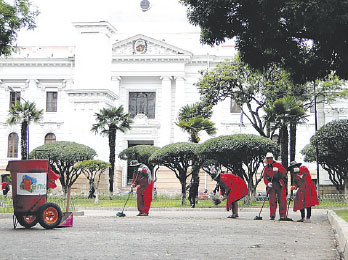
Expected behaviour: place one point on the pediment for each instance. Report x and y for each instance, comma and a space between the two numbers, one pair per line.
142, 45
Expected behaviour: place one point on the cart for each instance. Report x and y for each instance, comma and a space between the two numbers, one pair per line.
29, 194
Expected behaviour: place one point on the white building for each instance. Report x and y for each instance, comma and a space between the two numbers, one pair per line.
152, 79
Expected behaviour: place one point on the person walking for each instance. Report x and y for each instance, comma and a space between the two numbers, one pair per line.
306, 195
275, 177
233, 188
5, 188
142, 179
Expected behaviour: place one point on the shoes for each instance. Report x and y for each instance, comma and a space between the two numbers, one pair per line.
307, 220
271, 218
143, 214
233, 216
285, 219
300, 220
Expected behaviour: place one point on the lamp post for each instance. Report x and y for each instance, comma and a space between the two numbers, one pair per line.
27, 133
316, 129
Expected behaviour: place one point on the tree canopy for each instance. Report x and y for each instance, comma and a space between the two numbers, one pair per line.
241, 154
62, 157
178, 157
332, 142
308, 38
13, 17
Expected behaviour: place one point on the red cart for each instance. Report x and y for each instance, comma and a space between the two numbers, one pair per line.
29, 194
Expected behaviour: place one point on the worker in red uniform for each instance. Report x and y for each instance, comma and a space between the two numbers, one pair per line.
143, 179
274, 177
5, 188
306, 195
233, 188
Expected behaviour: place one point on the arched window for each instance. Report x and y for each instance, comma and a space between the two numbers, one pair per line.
12, 147
50, 138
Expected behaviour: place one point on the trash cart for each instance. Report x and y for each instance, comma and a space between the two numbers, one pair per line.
29, 194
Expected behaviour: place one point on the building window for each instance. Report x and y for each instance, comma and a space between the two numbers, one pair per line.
50, 138
234, 107
12, 147
14, 98
142, 103
51, 101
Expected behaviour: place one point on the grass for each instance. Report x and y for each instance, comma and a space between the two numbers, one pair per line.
157, 202
343, 213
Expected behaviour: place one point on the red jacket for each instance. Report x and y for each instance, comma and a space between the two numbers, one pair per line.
306, 195
269, 175
235, 185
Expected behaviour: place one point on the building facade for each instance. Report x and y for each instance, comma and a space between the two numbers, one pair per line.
151, 78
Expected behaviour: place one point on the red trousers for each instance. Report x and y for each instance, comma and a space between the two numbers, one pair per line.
144, 198
277, 193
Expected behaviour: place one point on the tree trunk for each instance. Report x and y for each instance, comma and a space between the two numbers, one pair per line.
284, 145
91, 189
112, 144
24, 148
293, 129
193, 193
183, 191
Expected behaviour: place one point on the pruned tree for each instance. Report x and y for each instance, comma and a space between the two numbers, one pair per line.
62, 157
332, 142
93, 170
178, 157
241, 154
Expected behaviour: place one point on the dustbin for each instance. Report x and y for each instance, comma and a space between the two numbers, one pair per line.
29, 194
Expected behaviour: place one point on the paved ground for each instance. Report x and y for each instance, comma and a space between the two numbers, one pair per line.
173, 234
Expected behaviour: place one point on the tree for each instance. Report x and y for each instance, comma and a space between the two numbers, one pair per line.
241, 154
62, 157
109, 121
332, 142
24, 115
194, 119
178, 157
92, 169
142, 154
14, 17
307, 38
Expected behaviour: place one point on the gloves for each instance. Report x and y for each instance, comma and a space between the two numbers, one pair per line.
275, 169
296, 170
293, 187
269, 185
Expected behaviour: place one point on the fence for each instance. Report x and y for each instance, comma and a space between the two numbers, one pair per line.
6, 205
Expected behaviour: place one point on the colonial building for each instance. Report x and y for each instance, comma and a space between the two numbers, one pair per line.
151, 78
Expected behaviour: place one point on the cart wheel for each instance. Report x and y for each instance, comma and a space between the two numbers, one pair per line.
50, 215
27, 221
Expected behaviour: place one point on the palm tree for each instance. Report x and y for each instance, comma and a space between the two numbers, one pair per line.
109, 121
194, 119
24, 114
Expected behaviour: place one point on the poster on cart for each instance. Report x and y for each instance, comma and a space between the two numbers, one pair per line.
31, 183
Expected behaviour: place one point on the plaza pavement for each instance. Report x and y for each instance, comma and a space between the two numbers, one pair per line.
173, 234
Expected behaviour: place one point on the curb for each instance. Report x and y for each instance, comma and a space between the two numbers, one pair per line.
341, 228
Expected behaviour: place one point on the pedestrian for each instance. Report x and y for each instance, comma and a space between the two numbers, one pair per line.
275, 177
142, 179
306, 195
192, 189
232, 188
5, 188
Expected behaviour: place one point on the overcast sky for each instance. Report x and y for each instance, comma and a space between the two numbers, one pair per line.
54, 24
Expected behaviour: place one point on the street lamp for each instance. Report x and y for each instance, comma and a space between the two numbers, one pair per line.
316, 129
12, 90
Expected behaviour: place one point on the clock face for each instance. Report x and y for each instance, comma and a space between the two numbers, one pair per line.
140, 46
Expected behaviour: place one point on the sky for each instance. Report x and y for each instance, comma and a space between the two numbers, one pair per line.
54, 24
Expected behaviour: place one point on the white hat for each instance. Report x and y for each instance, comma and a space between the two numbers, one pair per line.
269, 155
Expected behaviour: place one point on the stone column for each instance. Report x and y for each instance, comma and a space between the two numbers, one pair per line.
116, 80
179, 135
165, 111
